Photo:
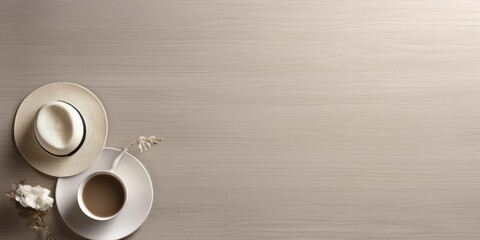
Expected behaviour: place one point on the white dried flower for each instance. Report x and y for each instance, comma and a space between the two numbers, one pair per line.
145, 143
33, 197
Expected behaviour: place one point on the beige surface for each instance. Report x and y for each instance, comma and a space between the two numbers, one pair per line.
301, 120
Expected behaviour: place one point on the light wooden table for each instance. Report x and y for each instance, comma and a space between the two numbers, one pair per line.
283, 119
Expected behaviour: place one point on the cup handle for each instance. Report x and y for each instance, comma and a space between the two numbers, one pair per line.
117, 159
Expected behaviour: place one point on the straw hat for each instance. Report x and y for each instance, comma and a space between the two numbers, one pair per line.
60, 129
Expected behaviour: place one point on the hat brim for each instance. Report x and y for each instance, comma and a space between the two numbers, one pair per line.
96, 124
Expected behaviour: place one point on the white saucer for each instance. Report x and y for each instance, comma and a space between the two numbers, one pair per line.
140, 199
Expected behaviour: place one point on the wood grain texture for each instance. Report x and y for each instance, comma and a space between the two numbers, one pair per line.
283, 119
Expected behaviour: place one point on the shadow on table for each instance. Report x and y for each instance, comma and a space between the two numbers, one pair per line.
62, 227
10, 222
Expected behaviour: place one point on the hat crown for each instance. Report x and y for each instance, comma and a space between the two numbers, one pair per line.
59, 128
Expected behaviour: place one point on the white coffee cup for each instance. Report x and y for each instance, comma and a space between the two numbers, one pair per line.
115, 193
59, 128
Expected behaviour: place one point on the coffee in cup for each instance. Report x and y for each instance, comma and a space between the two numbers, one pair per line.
102, 195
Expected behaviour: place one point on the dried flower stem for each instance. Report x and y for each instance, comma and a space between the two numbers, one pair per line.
143, 144
40, 225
